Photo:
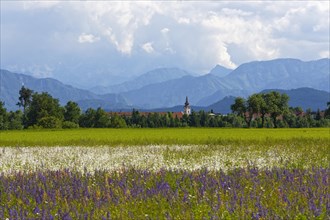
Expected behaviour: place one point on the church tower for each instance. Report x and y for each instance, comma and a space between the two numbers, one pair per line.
186, 109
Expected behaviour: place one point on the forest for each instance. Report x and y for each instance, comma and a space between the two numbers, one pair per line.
268, 110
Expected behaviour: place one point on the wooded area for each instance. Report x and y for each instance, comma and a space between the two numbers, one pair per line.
267, 110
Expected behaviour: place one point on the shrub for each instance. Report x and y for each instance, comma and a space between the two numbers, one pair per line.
49, 122
69, 124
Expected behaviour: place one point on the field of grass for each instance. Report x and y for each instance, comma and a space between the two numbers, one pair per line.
165, 174
179, 136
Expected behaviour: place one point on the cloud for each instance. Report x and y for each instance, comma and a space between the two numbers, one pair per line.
183, 20
87, 38
147, 47
191, 35
165, 30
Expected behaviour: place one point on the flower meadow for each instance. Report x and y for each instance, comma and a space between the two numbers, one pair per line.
241, 178
249, 193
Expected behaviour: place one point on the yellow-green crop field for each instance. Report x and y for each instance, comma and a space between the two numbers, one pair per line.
185, 173
166, 136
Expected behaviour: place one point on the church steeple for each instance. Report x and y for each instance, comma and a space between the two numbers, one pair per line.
186, 109
186, 103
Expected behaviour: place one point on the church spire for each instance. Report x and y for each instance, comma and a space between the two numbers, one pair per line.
186, 109
186, 103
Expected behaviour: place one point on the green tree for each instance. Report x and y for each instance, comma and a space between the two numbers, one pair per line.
43, 105
102, 119
255, 104
135, 119
117, 122
327, 111
194, 119
3, 117
239, 107
15, 120
50, 122
264, 109
72, 112
25, 99
277, 104
87, 120
318, 115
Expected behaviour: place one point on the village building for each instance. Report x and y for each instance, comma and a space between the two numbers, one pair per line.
186, 109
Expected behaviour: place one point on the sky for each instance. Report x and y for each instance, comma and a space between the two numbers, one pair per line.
90, 43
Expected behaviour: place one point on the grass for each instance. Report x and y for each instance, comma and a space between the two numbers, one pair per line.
177, 136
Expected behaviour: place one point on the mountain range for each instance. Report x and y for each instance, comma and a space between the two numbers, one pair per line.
152, 77
11, 83
167, 87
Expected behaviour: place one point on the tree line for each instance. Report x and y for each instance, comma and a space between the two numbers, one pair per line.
41, 110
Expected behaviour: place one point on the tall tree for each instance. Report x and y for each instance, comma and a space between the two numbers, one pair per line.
102, 120
72, 112
277, 104
239, 107
43, 105
3, 116
327, 111
256, 105
87, 120
25, 98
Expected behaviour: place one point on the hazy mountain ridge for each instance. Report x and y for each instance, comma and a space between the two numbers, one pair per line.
280, 73
155, 76
202, 90
220, 71
246, 79
172, 92
11, 83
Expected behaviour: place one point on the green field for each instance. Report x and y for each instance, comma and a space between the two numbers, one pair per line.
176, 136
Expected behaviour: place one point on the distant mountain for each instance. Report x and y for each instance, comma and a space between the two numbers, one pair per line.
151, 77
172, 92
280, 74
163, 88
11, 83
220, 71
208, 100
222, 106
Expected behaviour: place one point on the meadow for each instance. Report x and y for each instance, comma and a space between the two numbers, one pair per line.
186, 173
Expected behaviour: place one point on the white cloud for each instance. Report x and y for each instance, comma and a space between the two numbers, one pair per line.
191, 35
165, 30
87, 38
119, 21
147, 47
324, 54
